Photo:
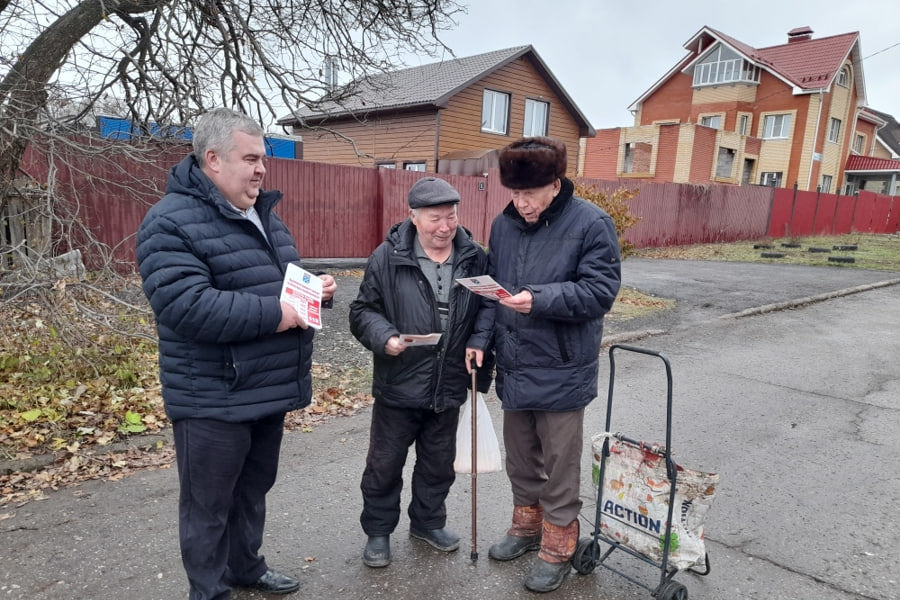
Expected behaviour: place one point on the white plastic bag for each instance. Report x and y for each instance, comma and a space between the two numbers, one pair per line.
636, 491
488, 449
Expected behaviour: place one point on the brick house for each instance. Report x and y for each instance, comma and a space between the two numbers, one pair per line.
446, 117
731, 113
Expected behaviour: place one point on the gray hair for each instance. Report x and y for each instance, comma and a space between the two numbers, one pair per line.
216, 129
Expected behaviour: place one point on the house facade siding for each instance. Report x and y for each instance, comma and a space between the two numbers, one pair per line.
427, 135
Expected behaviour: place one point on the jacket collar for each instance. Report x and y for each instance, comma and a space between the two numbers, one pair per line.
557, 206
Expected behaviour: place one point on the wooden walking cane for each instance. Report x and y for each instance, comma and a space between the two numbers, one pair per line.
474, 554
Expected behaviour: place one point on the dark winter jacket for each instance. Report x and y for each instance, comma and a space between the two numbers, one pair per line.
214, 283
395, 298
569, 260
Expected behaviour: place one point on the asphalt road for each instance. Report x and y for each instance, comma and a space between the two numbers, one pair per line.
786, 383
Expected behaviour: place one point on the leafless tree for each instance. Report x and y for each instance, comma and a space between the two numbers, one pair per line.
63, 62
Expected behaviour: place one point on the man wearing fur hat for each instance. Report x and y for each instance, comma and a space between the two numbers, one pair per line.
408, 288
559, 256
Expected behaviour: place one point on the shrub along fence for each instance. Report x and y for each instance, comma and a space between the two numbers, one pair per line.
344, 212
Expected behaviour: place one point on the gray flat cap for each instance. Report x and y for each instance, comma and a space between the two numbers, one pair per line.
432, 191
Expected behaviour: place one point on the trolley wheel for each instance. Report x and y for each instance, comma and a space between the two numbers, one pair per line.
672, 590
585, 558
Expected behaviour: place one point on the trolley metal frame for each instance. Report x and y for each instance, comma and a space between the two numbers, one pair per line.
587, 553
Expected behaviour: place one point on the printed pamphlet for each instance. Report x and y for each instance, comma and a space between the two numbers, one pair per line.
484, 285
303, 290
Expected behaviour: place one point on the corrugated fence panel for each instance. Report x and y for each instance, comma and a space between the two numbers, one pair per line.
780, 215
332, 211
803, 213
825, 210
865, 209
893, 224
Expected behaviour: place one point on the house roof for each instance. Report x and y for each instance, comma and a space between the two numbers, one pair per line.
431, 86
806, 64
869, 164
888, 132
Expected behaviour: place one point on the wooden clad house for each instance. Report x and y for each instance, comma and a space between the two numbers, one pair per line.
446, 117
789, 114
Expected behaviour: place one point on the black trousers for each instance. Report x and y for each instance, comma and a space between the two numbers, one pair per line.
392, 432
225, 471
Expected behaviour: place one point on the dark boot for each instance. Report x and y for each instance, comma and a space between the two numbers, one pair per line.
378, 551
557, 547
524, 535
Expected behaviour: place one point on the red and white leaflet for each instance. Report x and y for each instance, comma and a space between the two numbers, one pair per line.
420, 339
484, 285
303, 290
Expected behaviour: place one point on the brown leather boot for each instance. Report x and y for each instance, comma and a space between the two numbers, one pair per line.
557, 547
524, 535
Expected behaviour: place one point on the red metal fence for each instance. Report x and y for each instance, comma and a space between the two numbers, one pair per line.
344, 212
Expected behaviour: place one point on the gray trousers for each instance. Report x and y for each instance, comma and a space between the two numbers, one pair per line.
543, 460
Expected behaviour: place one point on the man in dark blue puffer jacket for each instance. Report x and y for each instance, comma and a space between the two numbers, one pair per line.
233, 358
559, 256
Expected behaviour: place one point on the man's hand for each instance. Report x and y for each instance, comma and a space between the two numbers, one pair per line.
476, 355
329, 287
394, 346
521, 302
290, 319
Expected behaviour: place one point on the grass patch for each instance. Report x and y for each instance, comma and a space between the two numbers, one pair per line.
876, 252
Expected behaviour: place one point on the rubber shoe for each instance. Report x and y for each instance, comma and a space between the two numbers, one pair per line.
545, 576
514, 546
378, 551
273, 582
442, 539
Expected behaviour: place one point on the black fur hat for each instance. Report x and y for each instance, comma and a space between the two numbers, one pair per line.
532, 162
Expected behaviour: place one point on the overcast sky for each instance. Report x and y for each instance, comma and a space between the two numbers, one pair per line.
607, 53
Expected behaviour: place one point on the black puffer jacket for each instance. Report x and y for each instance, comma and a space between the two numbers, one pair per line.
569, 260
395, 297
214, 284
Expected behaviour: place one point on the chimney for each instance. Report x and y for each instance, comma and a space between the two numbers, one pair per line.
800, 34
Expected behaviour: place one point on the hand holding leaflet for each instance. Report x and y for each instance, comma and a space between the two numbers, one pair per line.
303, 290
484, 285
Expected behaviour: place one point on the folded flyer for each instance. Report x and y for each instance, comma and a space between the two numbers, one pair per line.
484, 285
303, 290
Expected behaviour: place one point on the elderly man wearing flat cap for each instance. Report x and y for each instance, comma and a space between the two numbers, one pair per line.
559, 257
408, 288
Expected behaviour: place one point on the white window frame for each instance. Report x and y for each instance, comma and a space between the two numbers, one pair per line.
723, 65
414, 165
714, 121
843, 78
776, 127
537, 118
826, 183
859, 143
834, 130
386, 165
743, 124
495, 112
770, 177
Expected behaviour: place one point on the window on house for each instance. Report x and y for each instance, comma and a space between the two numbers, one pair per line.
714, 121
859, 143
770, 178
843, 78
851, 187
536, 113
723, 65
386, 165
494, 112
725, 162
628, 163
776, 126
826, 183
744, 124
414, 166
834, 130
